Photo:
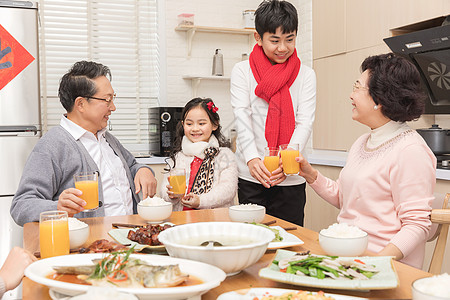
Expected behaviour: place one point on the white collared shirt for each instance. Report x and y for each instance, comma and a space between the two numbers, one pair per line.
116, 188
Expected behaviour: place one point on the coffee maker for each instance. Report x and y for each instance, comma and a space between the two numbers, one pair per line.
162, 128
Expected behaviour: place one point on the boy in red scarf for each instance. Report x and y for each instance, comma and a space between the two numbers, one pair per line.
274, 98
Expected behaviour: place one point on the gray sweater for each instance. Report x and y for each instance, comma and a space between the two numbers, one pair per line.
49, 171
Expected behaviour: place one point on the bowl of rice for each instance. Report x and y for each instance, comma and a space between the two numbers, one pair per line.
78, 233
248, 213
154, 210
432, 288
343, 240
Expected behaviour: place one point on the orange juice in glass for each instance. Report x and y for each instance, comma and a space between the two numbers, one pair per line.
177, 180
271, 158
88, 184
54, 233
288, 153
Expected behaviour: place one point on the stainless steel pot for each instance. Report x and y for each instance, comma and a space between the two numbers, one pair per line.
438, 139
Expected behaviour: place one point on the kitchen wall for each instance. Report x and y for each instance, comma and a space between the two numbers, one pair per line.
216, 14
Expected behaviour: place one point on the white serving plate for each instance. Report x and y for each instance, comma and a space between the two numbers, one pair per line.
289, 240
386, 279
250, 294
210, 275
121, 236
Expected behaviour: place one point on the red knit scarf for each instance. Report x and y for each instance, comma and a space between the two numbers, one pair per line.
273, 86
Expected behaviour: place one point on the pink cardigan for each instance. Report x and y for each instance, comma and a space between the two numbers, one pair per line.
387, 192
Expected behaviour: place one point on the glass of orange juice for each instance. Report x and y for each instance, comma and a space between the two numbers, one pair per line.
177, 180
288, 153
54, 233
88, 183
271, 158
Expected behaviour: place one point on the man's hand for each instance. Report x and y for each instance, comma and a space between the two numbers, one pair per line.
259, 171
69, 201
145, 181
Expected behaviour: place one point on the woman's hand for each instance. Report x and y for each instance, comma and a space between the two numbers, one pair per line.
306, 170
191, 200
15, 264
391, 250
259, 171
277, 176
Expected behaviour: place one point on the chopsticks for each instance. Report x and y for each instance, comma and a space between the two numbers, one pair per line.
274, 221
126, 225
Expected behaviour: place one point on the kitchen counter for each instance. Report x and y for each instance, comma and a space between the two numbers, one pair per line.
338, 159
316, 157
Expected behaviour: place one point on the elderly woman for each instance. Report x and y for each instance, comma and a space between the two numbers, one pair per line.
386, 187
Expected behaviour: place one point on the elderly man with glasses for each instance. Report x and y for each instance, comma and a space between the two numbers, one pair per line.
81, 144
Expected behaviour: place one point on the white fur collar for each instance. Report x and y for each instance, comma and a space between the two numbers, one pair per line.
198, 149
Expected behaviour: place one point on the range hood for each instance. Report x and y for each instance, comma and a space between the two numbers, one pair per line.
429, 50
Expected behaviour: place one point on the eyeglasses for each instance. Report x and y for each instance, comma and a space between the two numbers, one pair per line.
357, 86
108, 100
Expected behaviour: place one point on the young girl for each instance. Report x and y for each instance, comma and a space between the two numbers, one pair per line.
199, 148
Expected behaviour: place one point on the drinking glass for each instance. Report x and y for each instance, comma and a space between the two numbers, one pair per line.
87, 182
54, 233
177, 180
288, 153
271, 158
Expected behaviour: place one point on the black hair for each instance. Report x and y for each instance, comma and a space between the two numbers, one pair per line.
78, 82
272, 14
394, 82
213, 117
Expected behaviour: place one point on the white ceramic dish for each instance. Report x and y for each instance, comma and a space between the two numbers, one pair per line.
210, 275
251, 294
155, 214
386, 279
231, 259
121, 236
344, 246
78, 236
289, 240
247, 213
418, 291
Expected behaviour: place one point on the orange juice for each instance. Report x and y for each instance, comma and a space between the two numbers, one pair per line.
90, 193
271, 163
290, 166
54, 238
178, 183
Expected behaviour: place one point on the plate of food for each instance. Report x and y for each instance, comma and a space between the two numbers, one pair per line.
321, 271
281, 294
283, 239
144, 275
141, 237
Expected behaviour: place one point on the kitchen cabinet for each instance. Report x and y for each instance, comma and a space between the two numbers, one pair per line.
192, 29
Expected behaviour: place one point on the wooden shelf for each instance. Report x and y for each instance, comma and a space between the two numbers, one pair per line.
196, 79
192, 29
215, 29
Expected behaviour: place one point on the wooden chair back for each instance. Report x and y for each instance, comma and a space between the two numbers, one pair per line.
441, 218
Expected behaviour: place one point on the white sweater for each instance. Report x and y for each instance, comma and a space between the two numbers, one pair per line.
250, 113
225, 180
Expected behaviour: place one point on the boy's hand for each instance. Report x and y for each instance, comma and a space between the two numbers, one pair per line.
259, 171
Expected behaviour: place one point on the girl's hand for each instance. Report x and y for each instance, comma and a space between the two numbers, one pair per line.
306, 170
191, 200
172, 195
258, 171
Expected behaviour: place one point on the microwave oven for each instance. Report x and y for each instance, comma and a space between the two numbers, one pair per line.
162, 129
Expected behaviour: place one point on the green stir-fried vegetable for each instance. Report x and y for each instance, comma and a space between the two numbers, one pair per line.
278, 237
321, 267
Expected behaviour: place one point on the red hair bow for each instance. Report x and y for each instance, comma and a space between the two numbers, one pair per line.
212, 107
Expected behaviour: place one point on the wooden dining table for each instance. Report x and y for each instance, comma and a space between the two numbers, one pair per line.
248, 278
